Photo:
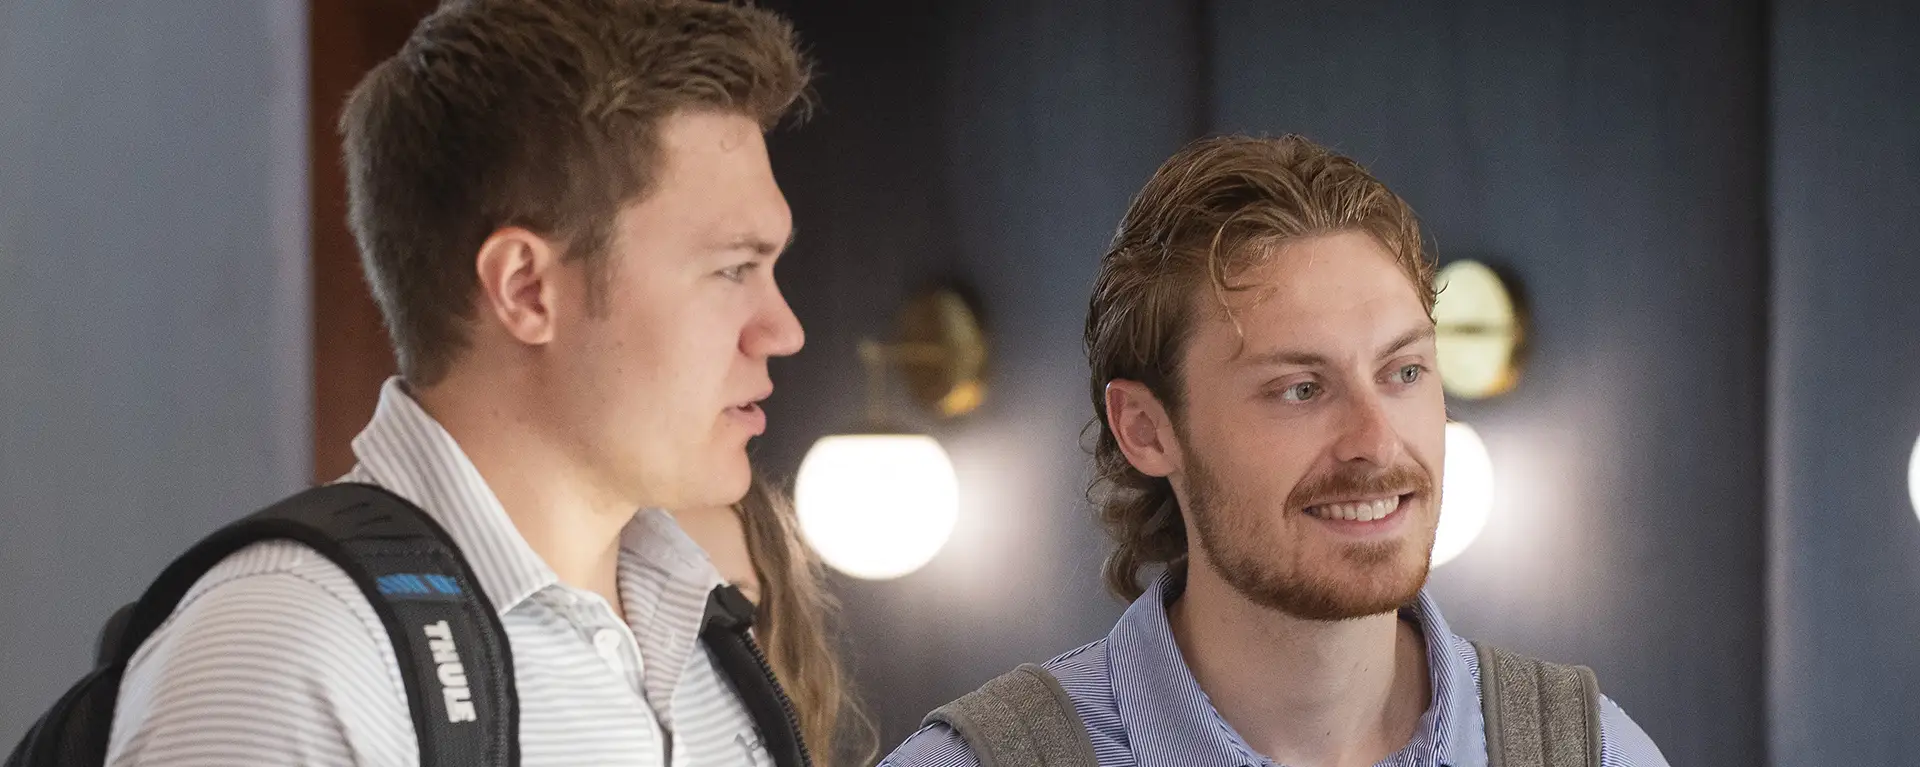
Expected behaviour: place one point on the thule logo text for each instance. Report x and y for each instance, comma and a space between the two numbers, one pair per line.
453, 676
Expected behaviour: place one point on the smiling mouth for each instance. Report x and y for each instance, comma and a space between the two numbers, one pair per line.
1358, 511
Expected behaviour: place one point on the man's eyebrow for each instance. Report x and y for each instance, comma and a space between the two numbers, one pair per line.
761, 246
1309, 359
1284, 357
1409, 338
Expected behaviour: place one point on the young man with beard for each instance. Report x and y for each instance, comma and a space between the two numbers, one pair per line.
1271, 436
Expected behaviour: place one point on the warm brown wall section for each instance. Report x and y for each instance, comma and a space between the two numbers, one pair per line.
350, 351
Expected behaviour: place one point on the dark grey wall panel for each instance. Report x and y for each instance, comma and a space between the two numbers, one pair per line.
1611, 156
1845, 575
153, 304
996, 143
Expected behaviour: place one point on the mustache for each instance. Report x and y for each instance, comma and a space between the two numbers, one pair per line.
1348, 484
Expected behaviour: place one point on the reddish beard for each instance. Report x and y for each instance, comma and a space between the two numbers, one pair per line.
1238, 534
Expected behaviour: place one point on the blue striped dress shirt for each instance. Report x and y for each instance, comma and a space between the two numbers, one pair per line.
1143, 708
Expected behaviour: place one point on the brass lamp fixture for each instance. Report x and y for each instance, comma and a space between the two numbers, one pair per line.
881, 502
1481, 332
939, 351
1480, 336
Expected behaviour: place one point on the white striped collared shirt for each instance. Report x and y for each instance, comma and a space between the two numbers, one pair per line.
275, 656
1143, 708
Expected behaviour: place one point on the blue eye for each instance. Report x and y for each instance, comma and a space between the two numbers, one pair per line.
1300, 392
1409, 374
737, 272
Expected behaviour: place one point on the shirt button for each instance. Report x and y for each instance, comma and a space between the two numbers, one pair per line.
607, 641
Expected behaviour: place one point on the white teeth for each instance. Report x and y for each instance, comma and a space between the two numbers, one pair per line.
1362, 511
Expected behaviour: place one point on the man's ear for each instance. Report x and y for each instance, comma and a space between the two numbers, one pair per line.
1143, 428
518, 271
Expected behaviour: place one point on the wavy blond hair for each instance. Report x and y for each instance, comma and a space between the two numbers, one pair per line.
794, 612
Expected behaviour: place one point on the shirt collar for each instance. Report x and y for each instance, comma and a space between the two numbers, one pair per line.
1451, 730
664, 576
665, 579
1156, 693
1171, 721
406, 451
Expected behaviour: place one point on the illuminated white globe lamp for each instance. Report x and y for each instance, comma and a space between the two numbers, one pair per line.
877, 506
1913, 477
1466, 493
880, 502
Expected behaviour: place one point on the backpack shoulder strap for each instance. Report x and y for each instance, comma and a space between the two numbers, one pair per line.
1538, 714
454, 659
724, 630
1022, 718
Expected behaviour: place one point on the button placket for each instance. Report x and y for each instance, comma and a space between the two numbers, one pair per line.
607, 642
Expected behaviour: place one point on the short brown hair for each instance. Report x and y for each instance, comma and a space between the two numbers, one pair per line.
1213, 211
539, 114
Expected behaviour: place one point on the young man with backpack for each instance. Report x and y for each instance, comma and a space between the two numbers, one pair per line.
1271, 434
567, 216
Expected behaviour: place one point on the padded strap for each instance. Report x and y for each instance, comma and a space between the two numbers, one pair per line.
724, 631
1022, 718
1538, 714
454, 658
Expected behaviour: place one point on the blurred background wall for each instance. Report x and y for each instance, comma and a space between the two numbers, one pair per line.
1843, 403
153, 304
1709, 206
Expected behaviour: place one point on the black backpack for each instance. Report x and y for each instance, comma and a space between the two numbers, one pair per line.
454, 658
